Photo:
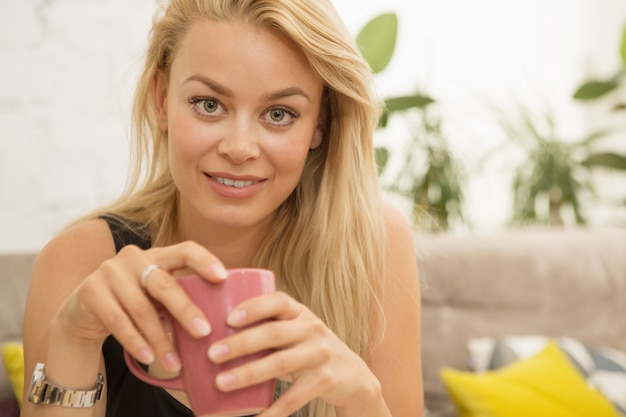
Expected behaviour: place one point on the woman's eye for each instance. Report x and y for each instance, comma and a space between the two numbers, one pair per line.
206, 106
281, 117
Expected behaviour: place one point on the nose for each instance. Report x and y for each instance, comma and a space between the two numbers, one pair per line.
239, 143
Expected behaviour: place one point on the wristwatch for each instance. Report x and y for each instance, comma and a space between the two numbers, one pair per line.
43, 392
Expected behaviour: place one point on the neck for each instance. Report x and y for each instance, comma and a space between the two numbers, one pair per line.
235, 247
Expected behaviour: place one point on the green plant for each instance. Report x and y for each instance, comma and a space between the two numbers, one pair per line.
428, 174
554, 174
594, 90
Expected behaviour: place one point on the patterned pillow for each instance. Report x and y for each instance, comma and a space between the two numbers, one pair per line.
604, 368
544, 385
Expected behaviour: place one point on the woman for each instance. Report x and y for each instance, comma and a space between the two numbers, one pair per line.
253, 123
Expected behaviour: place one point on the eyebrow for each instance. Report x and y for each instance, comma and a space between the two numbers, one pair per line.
287, 92
220, 89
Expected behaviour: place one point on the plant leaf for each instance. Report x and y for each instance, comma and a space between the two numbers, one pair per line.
377, 40
607, 160
594, 89
589, 139
619, 107
382, 157
394, 104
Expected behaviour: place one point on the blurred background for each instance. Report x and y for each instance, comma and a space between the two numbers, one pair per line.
502, 113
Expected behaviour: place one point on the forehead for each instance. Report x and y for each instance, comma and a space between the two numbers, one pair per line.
240, 53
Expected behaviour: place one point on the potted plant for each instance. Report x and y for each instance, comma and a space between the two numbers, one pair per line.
428, 175
554, 174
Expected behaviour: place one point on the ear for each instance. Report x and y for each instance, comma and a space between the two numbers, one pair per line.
322, 123
318, 136
159, 89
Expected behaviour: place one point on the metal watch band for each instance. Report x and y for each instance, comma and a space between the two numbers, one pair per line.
43, 392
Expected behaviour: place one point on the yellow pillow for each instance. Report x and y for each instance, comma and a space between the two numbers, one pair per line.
545, 385
13, 358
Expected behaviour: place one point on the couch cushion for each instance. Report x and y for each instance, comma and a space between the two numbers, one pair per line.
15, 273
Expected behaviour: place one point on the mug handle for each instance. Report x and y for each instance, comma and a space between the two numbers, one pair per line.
135, 369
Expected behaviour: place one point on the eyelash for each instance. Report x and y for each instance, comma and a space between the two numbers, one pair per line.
195, 101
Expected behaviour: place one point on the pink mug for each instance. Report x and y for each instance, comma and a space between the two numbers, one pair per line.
198, 372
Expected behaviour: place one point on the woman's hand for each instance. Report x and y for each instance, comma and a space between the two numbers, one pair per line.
307, 353
115, 300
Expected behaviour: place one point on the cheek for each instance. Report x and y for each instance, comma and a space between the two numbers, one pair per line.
288, 158
186, 143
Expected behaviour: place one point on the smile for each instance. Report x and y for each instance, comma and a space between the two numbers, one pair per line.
234, 183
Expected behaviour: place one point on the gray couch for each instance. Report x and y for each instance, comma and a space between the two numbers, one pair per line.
550, 282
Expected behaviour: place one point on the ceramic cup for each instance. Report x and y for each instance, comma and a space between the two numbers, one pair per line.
197, 375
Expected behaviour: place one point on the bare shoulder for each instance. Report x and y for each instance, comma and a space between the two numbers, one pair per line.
60, 267
396, 360
402, 285
75, 252
63, 264
397, 223
400, 244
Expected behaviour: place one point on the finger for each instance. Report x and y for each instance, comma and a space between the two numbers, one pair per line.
277, 305
114, 318
164, 288
147, 320
261, 337
189, 255
134, 310
161, 285
292, 399
282, 364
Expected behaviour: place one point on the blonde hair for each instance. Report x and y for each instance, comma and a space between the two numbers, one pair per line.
327, 243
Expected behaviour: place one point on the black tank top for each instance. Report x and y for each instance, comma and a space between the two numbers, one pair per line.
128, 396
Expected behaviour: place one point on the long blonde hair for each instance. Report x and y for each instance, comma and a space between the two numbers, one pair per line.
327, 242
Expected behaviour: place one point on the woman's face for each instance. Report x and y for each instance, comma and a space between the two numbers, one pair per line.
241, 107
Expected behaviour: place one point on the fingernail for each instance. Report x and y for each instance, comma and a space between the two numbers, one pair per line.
201, 326
146, 356
219, 271
236, 318
172, 362
218, 351
225, 381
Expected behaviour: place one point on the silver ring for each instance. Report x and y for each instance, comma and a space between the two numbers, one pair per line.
147, 271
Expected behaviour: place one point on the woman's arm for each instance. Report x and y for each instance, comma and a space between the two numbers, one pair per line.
58, 271
81, 292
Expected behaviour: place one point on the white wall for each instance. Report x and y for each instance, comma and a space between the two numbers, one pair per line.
67, 69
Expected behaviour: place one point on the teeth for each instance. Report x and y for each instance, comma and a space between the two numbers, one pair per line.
234, 183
